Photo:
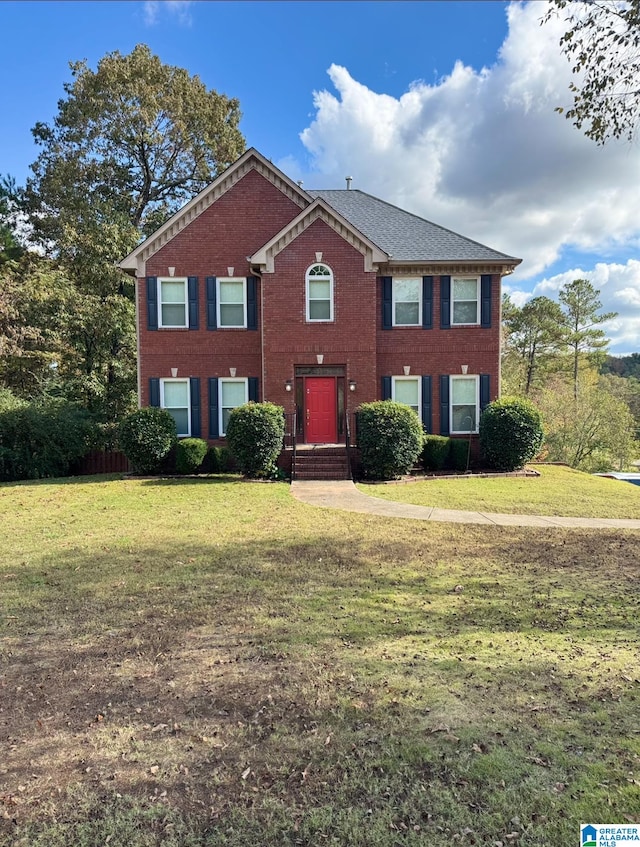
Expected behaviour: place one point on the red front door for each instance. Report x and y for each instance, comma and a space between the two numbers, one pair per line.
320, 410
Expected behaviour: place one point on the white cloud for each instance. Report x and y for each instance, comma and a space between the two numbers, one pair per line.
177, 9
484, 152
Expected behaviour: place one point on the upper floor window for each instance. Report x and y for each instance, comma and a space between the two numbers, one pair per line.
407, 297
172, 303
406, 389
464, 404
232, 302
174, 397
465, 300
319, 283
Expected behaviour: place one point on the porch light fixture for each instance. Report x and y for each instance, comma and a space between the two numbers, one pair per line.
287, 385
464, 368
320, 358
232, 371
172, 271
406, 369
174, 372
230, 271
352, 385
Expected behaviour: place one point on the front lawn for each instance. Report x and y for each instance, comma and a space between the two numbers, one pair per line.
558, 491
213, 663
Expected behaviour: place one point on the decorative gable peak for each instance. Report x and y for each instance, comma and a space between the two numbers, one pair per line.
264, 258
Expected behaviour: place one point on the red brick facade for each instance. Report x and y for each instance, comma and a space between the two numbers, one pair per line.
353, 348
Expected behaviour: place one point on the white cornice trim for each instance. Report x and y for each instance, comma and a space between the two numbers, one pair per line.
135, 262
318, 210
451, 267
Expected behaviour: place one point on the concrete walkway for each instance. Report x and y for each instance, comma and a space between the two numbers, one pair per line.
343, 495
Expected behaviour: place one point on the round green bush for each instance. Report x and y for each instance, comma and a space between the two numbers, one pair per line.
390, 438
190, 454
435, 452
254, 434
510, 433
146, 436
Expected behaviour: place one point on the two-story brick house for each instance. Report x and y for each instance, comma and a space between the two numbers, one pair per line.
314, 300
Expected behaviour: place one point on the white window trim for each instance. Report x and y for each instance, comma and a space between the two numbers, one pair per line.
308, 300
220, 280
393, 301
221, 382
183, 280
396, 379
162, 403
476, 279
453, 379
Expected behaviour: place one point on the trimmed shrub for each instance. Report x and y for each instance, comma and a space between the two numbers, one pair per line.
510, 433
39, 440
390, 438
146, 437
254, 434
435, 452
190, 453
459, 454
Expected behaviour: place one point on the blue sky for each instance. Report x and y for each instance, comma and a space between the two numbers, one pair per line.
444, 108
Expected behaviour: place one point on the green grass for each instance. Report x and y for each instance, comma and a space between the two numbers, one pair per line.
558, 491
211, 662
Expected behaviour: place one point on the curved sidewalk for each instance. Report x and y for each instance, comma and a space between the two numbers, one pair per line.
343, 495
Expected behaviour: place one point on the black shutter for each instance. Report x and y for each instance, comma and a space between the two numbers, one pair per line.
154, 391
444, 405
426, 403
253, 389
485, 391
387, 303
427, 302
485, 300
212, 319
386, 388
214, 430
252, 302
152, 302
194, 394
192, 291
445, 302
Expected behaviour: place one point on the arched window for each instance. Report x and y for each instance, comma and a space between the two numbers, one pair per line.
319, 284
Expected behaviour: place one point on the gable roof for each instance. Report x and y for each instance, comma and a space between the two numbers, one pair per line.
382, 232
250, 160
404, 236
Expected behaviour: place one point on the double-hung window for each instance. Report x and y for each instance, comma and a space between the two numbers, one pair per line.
172, 303
174, 397
465, 301
319, 285
407, 301
233, 393
232, 302
406, 389
464, 404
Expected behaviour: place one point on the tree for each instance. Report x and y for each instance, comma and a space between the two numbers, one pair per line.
603, 45
535, 333
10, 247
131, 142
581, 304
593, 431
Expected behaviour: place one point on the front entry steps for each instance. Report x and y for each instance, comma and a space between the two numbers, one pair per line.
321, 461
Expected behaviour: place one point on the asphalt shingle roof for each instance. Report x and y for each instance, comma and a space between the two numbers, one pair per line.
406, 237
